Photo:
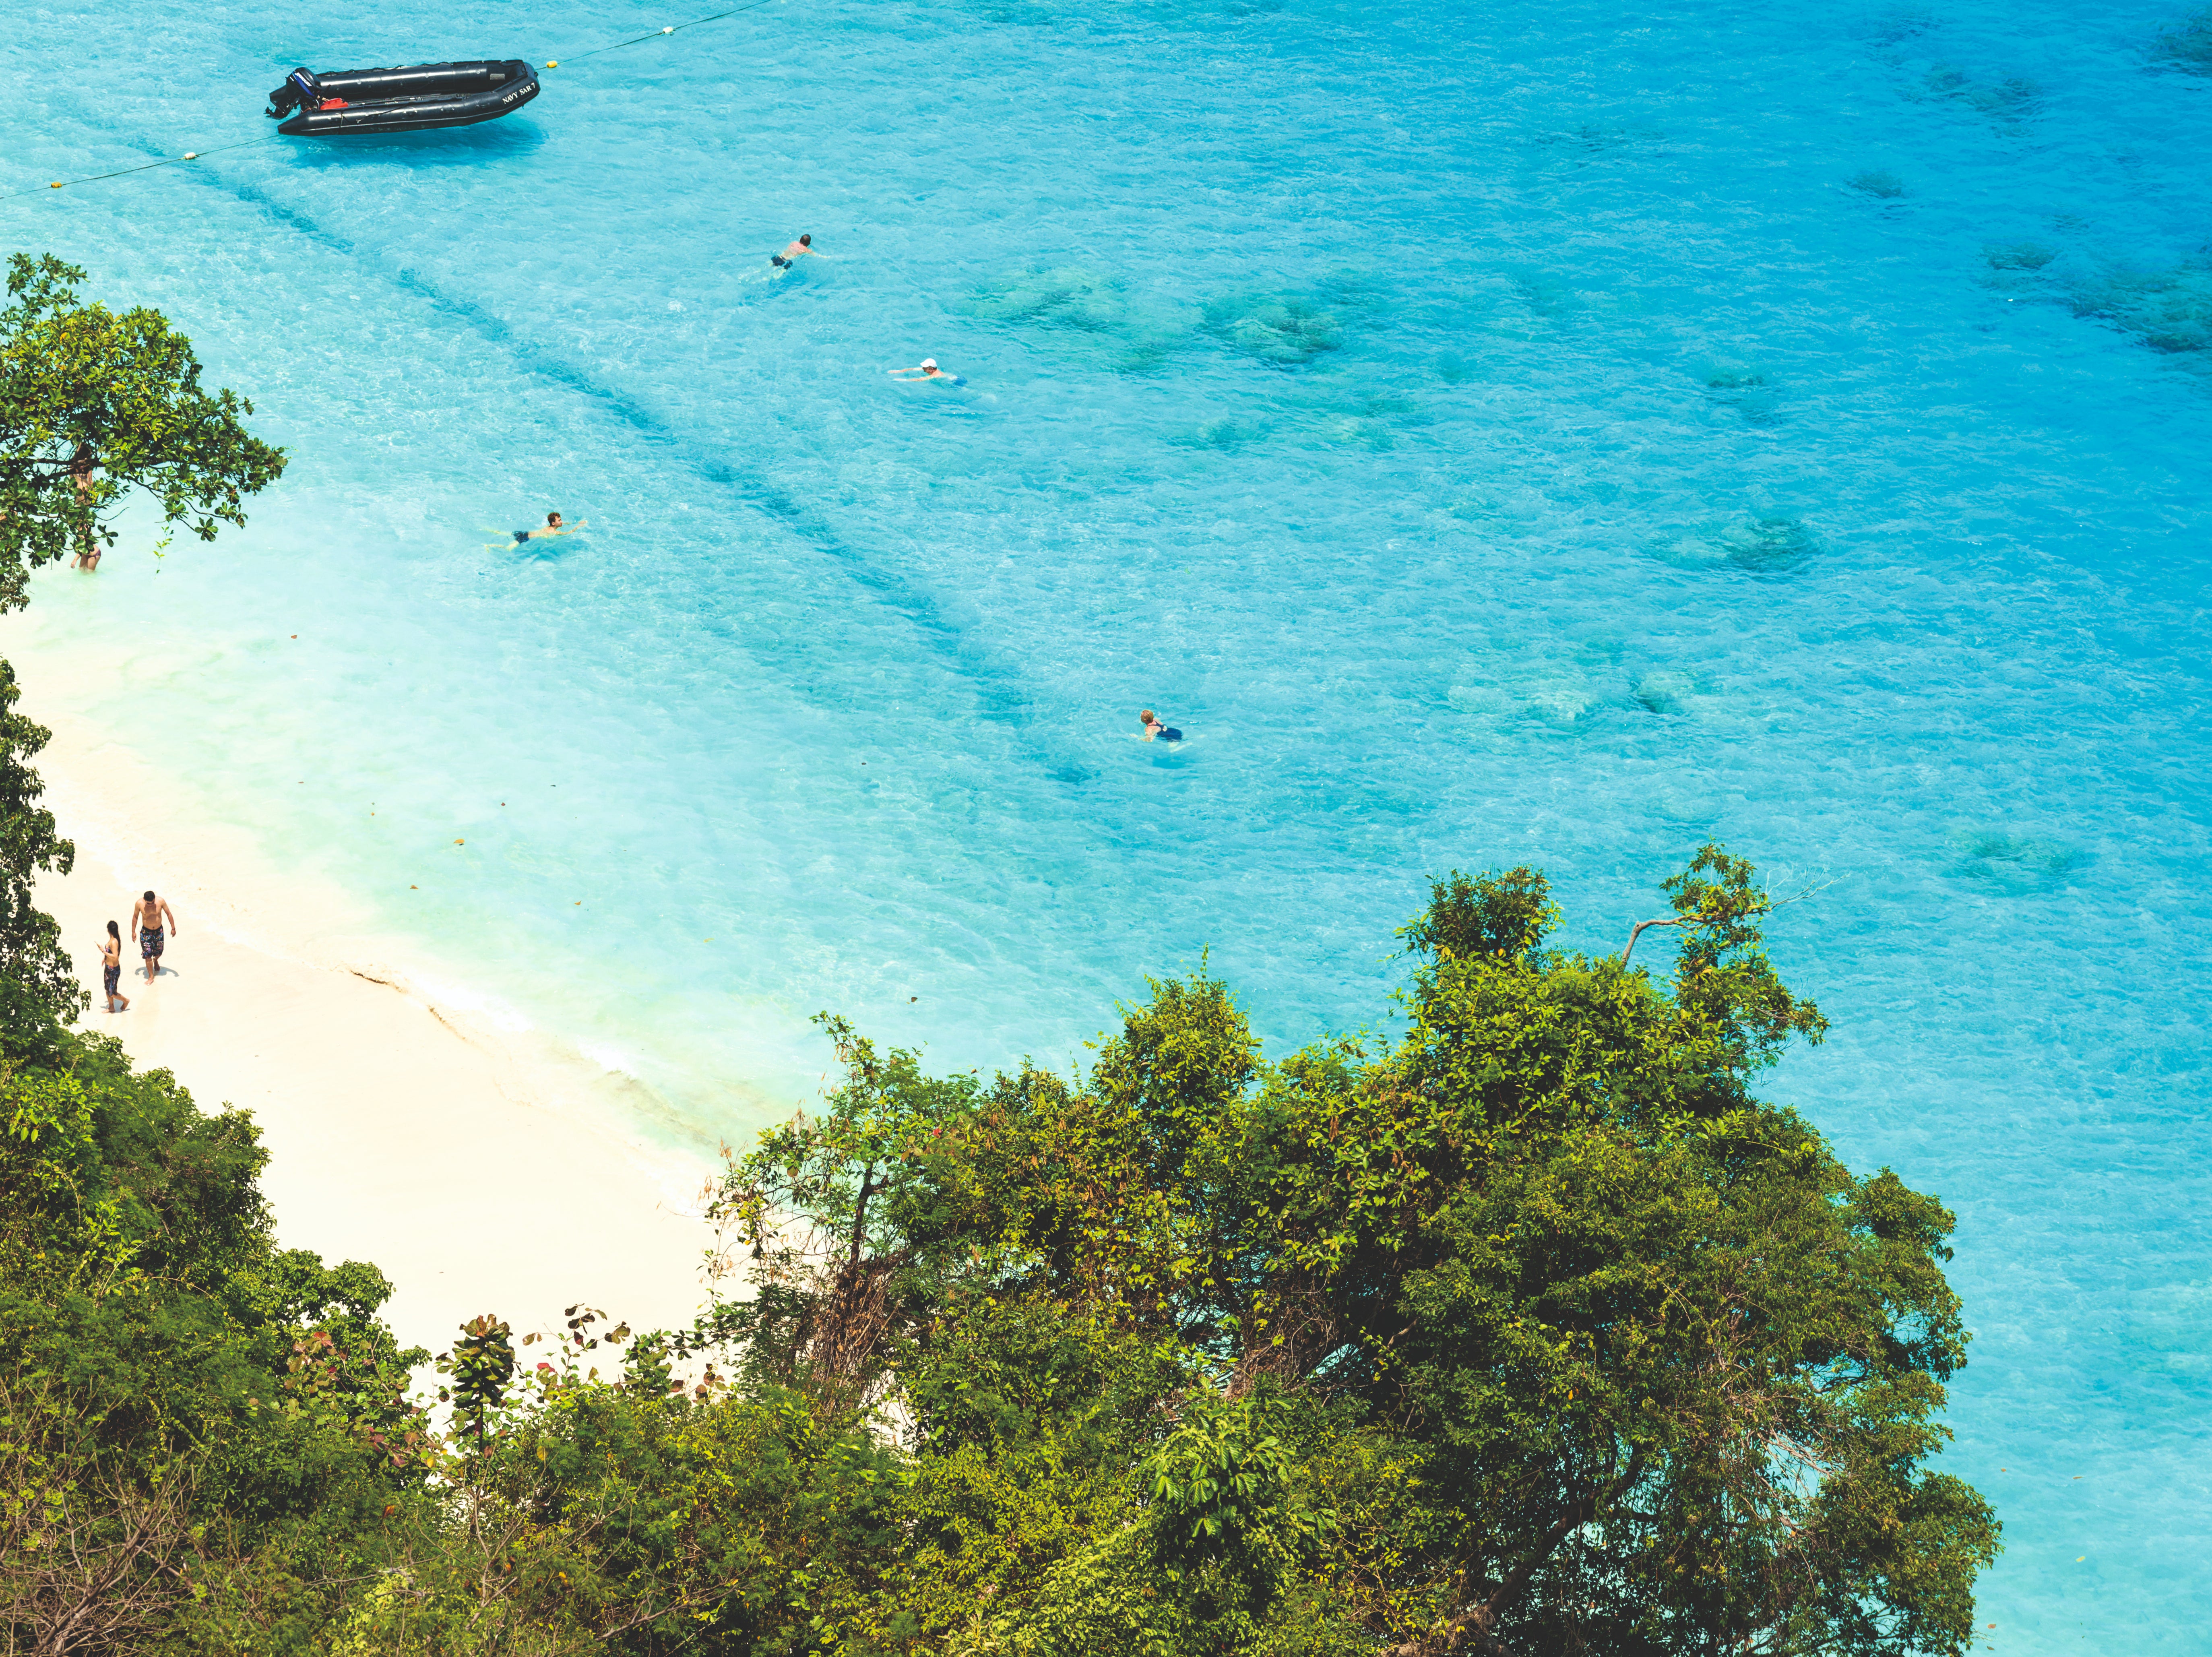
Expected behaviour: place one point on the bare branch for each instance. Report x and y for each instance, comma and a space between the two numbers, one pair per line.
1668, 920
1772, 904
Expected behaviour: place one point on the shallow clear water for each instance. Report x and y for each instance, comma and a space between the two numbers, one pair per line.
1542, 435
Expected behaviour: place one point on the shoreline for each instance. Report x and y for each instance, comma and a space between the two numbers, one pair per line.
477, 1162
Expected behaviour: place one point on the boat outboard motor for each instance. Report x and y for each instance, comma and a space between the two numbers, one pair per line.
300, 91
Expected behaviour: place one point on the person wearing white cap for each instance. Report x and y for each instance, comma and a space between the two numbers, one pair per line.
928, 370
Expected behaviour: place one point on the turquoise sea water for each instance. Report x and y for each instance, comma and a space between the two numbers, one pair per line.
1544, 432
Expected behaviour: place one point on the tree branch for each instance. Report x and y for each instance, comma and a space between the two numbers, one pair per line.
860, 1215
1670, 920
1772, 904
1481, 1622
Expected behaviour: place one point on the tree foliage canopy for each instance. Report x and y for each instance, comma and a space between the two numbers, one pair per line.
83, 386
1532, 1331
198, 1425
38, 991
1559, 1337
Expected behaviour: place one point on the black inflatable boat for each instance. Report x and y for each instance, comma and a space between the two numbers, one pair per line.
352, 101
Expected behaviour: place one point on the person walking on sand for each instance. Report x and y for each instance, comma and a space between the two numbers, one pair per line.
147, 916
110, 969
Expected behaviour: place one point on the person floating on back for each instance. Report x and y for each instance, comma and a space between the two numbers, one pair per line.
110, 969
554, 526
927, 370
1154, 731
792, 255
147, 915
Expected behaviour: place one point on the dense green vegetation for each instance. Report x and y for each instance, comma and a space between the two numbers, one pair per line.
1533, 1331
200, 1434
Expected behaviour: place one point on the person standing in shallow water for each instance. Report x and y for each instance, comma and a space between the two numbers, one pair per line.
147, 915
110, 969
1154, 731
80, 467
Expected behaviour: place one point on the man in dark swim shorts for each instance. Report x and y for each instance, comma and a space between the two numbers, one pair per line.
147, 916
792, 255
554, 526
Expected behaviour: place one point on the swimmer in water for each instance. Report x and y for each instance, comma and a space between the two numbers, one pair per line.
927, 370
792, 254
1154, 731
554, 526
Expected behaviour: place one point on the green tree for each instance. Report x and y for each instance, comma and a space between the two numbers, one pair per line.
95, 405
1534, 1331
1574, 1343
481, 1363
1677, 1367
38, 991
204, 1432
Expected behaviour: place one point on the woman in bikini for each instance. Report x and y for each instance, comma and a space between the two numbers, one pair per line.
110, 969
80, 467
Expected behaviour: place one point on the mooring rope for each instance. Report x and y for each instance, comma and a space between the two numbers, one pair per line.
120, 173
673, 28
270, 137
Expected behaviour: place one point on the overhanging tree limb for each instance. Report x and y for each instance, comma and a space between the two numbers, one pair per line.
1664, 921
83, 386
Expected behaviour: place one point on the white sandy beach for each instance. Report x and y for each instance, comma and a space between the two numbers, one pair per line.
479, 1166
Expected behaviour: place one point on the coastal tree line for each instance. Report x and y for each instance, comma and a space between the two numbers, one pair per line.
1533, 1330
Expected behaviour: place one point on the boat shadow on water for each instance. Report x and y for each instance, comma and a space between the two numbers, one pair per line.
450, 146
